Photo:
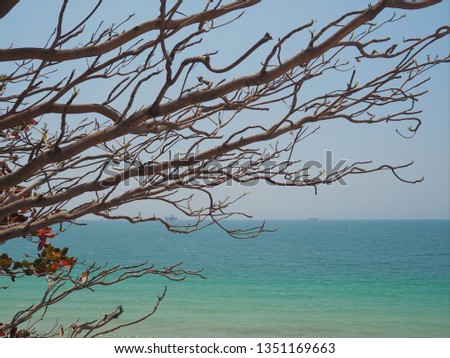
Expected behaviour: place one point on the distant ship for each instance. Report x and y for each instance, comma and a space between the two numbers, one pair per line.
313, 219
170, 218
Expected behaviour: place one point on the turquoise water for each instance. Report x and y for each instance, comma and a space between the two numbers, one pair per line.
307, 279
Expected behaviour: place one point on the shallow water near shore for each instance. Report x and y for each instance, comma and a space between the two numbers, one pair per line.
307, 279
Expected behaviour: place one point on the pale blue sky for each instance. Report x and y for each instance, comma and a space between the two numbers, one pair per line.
375, 196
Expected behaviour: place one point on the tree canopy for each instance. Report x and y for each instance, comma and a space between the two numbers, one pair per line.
169, 119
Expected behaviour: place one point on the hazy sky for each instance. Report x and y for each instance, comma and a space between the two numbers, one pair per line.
374, 196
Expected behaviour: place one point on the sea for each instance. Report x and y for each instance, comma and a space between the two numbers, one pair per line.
311, 278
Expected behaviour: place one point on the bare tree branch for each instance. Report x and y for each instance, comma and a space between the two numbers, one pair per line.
168, 122
412, 4
6, 6
64, 283
127, 37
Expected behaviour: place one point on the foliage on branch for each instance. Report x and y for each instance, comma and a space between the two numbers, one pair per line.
49, 260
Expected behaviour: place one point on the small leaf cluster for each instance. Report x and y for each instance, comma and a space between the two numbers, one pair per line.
49, 260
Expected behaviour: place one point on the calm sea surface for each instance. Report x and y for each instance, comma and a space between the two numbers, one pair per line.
307, 279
